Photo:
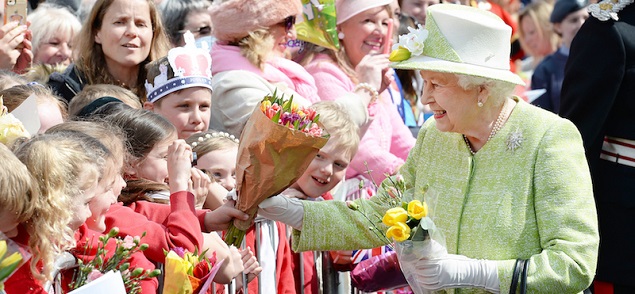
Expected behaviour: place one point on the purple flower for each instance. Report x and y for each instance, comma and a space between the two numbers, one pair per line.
285, 118
179, 251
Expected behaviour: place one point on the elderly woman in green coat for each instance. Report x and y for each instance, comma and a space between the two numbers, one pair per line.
512, 179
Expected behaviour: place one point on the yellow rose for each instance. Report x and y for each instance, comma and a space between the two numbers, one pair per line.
399, 55
417, 210
395, 215
400, 232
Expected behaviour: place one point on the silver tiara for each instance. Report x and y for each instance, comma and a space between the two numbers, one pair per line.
215, 135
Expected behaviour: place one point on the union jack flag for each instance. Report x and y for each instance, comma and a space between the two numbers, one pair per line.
363, 254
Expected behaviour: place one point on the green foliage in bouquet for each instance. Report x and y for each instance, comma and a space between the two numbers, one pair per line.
119, 261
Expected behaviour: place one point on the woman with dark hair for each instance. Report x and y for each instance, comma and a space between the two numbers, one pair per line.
118, 39
180, 16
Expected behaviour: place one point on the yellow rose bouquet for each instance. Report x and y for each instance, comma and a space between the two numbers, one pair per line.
409, 223
411, 226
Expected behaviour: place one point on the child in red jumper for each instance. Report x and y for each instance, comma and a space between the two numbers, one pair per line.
159, 169
68, 167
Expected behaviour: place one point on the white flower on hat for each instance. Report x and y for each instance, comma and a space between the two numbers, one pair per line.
415, 39
413, 42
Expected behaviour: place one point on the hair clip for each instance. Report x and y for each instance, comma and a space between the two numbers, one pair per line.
215, 135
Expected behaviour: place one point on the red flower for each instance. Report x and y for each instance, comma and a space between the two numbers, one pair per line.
201, 269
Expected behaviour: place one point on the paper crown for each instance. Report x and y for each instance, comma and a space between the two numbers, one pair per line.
189, 67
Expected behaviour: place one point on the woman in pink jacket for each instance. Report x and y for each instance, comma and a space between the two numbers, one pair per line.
360, 68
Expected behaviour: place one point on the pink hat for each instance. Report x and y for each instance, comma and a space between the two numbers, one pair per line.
346, 9
233, 20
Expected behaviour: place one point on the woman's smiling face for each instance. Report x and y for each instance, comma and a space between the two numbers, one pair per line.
365, 33
454, 107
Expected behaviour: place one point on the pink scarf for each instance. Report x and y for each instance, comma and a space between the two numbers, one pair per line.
277, 70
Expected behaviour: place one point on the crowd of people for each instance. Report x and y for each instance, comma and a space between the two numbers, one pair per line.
128, 114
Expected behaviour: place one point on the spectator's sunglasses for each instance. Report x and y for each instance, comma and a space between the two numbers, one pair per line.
206, 30
289, 22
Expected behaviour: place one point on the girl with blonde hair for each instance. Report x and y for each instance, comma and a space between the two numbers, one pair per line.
154, 156
67, 169
216, 156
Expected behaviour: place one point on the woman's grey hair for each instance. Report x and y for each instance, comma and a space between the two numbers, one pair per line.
498, 90
49, 19
174, 15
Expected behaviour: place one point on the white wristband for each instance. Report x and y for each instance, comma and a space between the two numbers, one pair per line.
370, 89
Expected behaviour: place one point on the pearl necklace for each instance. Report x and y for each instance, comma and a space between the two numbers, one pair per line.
497, 126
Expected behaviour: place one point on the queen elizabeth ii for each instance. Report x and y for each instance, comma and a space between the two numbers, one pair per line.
512, 179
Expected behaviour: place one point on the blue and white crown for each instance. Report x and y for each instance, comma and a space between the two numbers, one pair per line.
192, 67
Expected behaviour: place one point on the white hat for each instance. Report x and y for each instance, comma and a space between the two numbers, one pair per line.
462, 40
345, 9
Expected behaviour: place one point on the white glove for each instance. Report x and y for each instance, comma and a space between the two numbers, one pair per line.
287, 210
456, 271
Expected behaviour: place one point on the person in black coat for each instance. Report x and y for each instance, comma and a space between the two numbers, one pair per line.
598, 96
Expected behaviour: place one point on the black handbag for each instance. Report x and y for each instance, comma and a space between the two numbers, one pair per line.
519, 276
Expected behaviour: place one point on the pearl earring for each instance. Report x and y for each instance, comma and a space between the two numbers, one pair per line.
340, 35
479, 104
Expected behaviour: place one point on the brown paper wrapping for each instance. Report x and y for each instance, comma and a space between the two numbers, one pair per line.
271, 157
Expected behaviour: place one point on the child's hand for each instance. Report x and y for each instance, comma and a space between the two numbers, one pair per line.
215, 196
251, 266
219, 219
179, 166
199, 186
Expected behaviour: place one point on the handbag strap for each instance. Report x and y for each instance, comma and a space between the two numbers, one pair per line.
517, 275
523, 278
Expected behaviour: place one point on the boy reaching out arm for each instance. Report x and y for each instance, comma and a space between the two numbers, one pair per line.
327, 169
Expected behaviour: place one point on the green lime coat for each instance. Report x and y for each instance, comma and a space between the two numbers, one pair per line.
532, 199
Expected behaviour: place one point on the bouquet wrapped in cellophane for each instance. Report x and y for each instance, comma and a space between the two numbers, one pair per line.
411, 227
189, 273
277, 144
409, 223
